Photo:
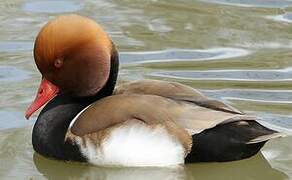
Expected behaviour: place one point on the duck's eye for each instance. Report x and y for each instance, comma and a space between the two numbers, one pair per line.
58, 63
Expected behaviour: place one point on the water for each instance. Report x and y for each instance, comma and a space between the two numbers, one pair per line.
235, 51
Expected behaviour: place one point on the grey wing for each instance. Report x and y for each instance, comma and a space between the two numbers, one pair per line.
176, 91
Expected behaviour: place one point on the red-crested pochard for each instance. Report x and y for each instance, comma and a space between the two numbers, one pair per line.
141, 123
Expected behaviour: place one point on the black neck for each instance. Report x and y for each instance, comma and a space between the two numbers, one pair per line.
52, 123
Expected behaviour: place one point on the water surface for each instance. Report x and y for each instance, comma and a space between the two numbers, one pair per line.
235, 51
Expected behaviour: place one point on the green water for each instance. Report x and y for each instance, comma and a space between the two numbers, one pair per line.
238, 51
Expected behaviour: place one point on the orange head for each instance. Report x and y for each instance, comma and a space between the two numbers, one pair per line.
73, 55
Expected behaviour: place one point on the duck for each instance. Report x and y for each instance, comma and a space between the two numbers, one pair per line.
87, 118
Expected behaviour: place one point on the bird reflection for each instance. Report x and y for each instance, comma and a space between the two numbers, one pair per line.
53, 169
256, 167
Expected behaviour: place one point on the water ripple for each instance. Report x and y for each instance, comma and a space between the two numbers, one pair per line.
15, 46
52, 6
288, 102
230, 75
274, 96
12, 74
182, 55
287, 17
253, 3
283, 121
12, 119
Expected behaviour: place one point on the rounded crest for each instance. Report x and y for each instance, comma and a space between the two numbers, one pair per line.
64, 35
74, 52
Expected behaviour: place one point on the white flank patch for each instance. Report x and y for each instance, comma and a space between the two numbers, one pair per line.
135, 144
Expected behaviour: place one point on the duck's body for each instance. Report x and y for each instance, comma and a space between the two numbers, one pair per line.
142, 123
131, 128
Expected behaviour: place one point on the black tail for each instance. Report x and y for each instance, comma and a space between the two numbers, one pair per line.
229, 142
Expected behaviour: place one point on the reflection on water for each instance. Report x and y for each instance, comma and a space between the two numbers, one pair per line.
51, 170
230, 52
246, 169
21, 161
